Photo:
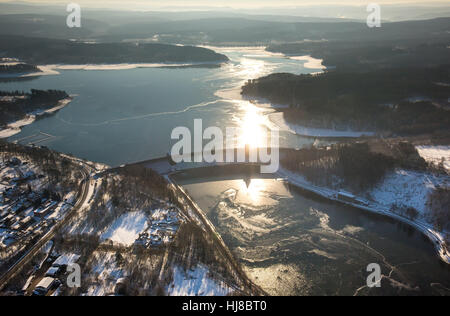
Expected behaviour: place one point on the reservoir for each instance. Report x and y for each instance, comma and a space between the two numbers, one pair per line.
123, 116
289, 243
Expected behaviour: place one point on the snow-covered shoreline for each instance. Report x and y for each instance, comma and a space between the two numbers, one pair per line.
44, 71
50, 70
310, 62
436, 237
15, 127
278, 119
123, 66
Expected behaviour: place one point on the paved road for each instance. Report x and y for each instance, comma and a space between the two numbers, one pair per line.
254, 289
17, 267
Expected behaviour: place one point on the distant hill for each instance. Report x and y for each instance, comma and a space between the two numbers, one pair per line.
394, 12
361, 56
216, 28
51, 26
50, 51
402, 44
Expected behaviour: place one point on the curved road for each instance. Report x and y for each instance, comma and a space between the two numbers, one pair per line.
17, 267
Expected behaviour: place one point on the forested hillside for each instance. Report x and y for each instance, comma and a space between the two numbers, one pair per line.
404, 101
49, 51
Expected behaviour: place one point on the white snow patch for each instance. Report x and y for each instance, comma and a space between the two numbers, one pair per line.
407, 188
66, 259
195, 283
106, 273
310, 62
435, 154
278, 119
126, 229
126, 66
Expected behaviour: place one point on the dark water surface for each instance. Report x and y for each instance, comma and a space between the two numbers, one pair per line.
291, 243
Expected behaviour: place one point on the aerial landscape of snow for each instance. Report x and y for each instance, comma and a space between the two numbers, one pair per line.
114, 134
195, 282
436, 154
126, 229
407, 188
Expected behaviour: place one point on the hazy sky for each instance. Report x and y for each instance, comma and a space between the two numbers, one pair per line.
155, 4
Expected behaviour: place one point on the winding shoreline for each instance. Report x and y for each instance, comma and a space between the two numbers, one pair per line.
276, 117
296, 180
52, 69
16, 127
427, 230
123, 66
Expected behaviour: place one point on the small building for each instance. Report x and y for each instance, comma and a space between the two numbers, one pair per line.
20, 206
65, 260
16, 226
53, 272
121, 287
8, 220
42, 212
15, 161
27, 221
23, 223
44, 286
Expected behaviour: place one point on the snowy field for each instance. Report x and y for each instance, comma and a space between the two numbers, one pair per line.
149, 229
435, 154
403, 188
107, 274
408, 188
66, 259
126, 229
195, 283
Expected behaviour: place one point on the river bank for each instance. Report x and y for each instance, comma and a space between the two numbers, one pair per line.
376, 207
53, 70
293, 240
16, 127
436, 237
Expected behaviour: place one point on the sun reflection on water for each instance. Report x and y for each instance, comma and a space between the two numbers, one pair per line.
252, 128
252, 68
254, 192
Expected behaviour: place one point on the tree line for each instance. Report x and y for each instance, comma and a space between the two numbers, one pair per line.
376, 100
17, 108
18, 69
358, 166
